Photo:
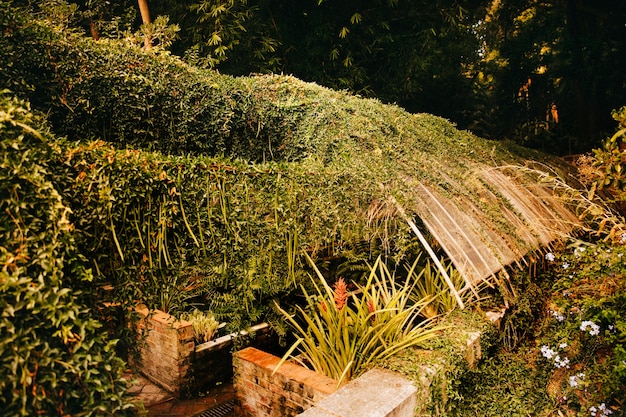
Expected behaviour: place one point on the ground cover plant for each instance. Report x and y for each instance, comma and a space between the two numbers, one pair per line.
571, 361
561, 351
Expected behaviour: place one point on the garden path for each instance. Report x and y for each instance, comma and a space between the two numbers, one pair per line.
218, 402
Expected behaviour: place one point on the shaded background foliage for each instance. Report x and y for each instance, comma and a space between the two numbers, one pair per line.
572, 52
468, 61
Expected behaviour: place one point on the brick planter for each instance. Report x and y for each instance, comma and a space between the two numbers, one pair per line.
170, 358
262, 391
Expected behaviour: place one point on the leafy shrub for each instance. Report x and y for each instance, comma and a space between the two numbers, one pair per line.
173, 231
54, 359
342, 334
583, 335
204, 325
604, 170
610, 159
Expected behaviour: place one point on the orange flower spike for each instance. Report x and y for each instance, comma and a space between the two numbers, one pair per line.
341, 293
370, 308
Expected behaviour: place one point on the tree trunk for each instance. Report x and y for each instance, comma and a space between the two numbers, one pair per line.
145, 18
93, 30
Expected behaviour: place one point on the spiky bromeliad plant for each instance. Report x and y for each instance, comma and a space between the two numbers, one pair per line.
430, 285
342, 334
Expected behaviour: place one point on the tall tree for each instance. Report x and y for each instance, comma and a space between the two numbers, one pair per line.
145, 19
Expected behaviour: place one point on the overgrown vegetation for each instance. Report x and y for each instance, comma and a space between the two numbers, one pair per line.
54, 357
564, 351
342, 333
204, 194
316, 172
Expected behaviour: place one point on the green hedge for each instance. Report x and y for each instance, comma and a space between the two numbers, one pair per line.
162, 228
258, 167
54, 357
111, 91
132, 98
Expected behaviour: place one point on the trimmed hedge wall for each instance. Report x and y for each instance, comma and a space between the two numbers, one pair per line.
226, 231
131, 98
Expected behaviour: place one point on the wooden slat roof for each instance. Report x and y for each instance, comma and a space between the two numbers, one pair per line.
473, 237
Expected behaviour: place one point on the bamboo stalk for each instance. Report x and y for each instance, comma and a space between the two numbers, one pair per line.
431, 253
182, 212
117, 243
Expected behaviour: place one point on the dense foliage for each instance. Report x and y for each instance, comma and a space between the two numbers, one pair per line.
571, 360
54, 357
494, 66
204, 192
582, 339
228, 228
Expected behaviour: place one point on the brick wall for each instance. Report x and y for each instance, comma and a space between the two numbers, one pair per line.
170, 358
287, 392
212, 362
166, 350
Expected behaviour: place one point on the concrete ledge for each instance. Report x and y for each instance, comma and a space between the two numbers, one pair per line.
377, 393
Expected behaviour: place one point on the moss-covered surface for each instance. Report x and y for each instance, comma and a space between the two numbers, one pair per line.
440, 367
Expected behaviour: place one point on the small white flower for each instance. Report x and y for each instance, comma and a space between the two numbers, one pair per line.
594, 329
547, 352
565, 265
561, 362
574, 380
563, 345
600, 411
558, 316
623, 238
550, 257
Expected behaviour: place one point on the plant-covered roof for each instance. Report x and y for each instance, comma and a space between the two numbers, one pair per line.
483, 201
